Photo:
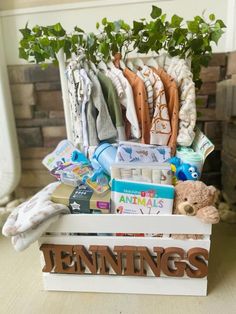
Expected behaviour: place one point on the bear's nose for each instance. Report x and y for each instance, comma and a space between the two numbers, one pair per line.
188, 209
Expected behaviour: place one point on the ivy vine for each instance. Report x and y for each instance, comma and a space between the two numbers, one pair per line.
191, 39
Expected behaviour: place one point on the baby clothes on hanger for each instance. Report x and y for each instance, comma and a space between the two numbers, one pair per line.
75, 82
140, 100
104, 125
91, 116
92, 130
86, 92
172, 97
149, 90
113, 104
116, 82
160, 128
180, 70
127, 101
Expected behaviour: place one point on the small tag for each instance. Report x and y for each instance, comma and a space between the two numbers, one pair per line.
202, 145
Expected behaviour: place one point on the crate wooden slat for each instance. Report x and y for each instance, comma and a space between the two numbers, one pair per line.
65, 231
149, 242
85, 223
132, 285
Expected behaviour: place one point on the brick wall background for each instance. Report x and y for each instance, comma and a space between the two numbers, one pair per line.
38, 107
40, 120
208, 121
226, 110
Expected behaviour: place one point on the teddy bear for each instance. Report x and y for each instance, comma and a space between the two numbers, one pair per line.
195, 198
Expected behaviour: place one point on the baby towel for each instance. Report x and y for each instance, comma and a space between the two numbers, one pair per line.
31, 219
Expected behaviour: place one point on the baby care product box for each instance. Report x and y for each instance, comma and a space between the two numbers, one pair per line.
129, 197
82, 199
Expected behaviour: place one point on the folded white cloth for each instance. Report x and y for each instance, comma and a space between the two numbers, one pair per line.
31, 219
23, 240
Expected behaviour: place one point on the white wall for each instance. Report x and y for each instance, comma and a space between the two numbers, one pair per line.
87, 13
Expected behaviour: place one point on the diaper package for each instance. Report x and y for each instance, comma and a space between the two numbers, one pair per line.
158, 173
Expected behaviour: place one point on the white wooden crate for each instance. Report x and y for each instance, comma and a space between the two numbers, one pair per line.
61, 233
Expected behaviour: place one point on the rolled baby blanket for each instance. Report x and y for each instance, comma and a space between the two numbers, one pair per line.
31, 219
23, 240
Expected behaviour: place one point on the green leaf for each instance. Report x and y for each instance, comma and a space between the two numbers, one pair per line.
196, 44
37, 30
97, 25
212, 17
104, 21
44, 42
24, 43
124, 26
156, 12
60, 44
39, 57
23, 54
221, 24
53, 45
58, 30
78, 29
157, 27
198, 19
57, 27
75, 39
36, 48
176, 20
216, 35
114, 48
137, 27
193, 26
163, 18
104, 49
67, 49
25, 32
205, 28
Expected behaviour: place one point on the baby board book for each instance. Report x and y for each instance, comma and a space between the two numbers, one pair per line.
129, 197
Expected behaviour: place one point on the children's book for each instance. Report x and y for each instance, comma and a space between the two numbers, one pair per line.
129, 197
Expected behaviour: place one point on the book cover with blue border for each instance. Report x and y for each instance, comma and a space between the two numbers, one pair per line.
129, 197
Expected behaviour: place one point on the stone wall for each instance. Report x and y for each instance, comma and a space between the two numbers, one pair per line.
40, 119
209, 122
226, 110
40, 122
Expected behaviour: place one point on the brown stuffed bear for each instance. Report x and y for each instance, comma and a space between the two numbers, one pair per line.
195, 198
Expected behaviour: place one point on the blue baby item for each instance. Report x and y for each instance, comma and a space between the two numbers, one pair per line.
184, 171
105, 155
78, 157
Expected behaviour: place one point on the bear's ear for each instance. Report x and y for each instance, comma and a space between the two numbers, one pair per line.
212, 189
